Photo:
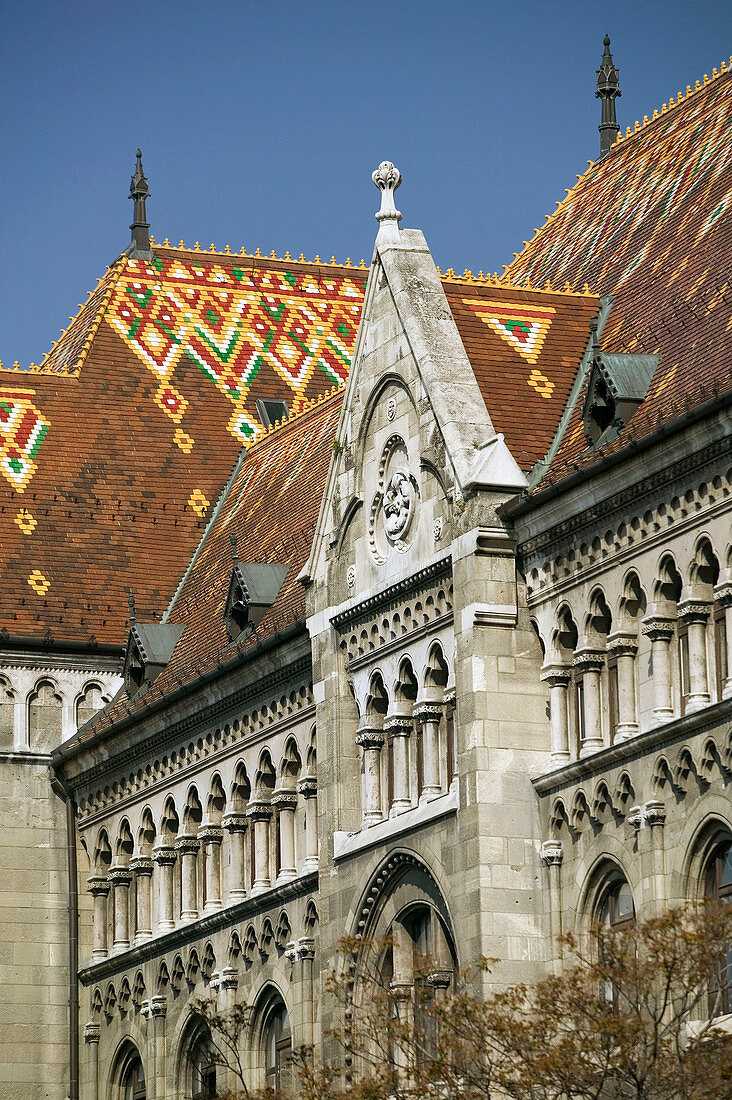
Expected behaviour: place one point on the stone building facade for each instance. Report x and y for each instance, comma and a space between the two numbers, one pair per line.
449, 655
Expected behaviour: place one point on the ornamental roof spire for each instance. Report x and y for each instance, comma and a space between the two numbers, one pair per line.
387, 178
608, 88
139, 191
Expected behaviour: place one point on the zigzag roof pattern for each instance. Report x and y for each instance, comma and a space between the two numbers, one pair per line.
651, 226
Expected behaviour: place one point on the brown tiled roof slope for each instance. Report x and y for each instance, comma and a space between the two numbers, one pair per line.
651, 225
113, 453
272, 507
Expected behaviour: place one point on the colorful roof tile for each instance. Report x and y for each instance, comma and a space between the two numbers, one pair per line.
651, 225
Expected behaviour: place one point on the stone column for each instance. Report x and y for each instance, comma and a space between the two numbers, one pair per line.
211, 836
92, 1033
552, 855
450, 700
693, 614
428, 715
286, 803
142, 868
158, 1008
121, 878
308, 789
305, 952
558, 677
98, 887
723, 593
399, 727
164, 856
624, 647
654, 813
228, 980
589, 662
660, 630
261, 814
235, 824
371, 739
188, 846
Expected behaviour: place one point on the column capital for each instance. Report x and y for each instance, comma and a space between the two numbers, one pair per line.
92, 1032
694, 611
187, 844
259, 810
635, 817
440, 979
284, 799
723, 593
228, 977
654, 812
428, 711
98, 886
370, 738
450, 696
622, 643
164, 854
210, 834
659, 628
589, 660
235, 822
158, 1006
399, 725
556, 675
308, 786
120, 876
552, 852
141, 865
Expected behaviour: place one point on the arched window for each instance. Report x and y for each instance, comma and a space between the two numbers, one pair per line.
617, 911
133, 1080
203, 1068
277, 1048
44, 717
719, 888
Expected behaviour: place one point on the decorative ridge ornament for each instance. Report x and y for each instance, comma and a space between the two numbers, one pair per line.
387, 178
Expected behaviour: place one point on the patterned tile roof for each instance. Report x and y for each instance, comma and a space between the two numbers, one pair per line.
272, 506
652, 226
114, 450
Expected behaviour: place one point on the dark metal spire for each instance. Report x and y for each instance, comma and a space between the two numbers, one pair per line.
139, 191
608, 88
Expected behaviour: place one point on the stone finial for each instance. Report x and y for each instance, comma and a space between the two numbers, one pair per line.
387, 178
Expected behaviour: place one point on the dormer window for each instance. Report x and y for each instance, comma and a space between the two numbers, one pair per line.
253, 589
617, 385
270, 411
149, 648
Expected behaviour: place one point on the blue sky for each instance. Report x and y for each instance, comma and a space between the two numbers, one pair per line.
260, 124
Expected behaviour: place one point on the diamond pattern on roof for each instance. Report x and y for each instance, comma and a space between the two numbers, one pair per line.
232, 320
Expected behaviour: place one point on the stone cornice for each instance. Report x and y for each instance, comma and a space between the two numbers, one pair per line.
676, 730
160, 739
644, 489
198, 929
393, 594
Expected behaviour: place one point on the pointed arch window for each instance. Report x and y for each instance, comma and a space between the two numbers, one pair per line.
133, 1081
719, 889
277, 1049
